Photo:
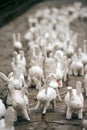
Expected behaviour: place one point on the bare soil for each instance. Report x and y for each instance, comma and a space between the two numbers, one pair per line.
53, 120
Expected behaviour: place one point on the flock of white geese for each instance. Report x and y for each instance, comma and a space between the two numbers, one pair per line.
52, 56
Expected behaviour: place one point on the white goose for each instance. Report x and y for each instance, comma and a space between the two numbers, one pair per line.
2, 109
74, 101
18, 98
45, 96
10, 117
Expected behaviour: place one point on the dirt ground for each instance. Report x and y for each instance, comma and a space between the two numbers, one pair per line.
54, 120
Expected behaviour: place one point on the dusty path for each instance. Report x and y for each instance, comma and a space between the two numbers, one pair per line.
54, 120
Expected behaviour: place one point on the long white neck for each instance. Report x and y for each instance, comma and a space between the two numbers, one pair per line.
75, 57
3, 76
70, 92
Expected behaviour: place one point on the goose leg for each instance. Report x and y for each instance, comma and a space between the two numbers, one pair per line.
68, 113
45, 107
80, 115
37, 105
25, 112
53, 104
75, 72
58, 95
82, 72
28, 110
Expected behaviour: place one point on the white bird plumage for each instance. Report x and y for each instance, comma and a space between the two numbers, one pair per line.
18, 98
2, 108
74, 101
45, 96
8, 122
